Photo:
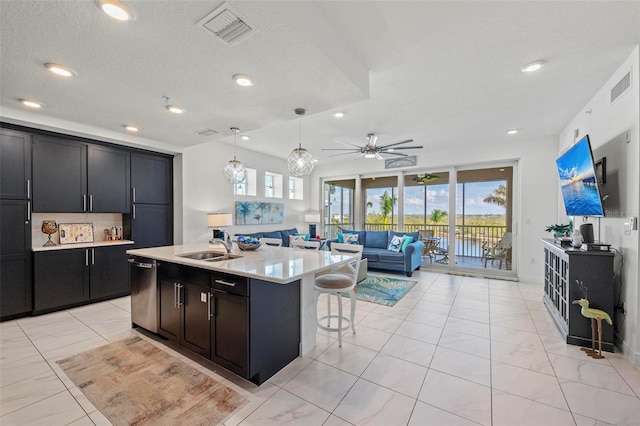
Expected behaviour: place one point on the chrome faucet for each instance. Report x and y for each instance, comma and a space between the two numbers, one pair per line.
227, 245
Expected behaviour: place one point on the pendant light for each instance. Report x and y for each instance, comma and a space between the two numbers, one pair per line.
234, 171
300, 161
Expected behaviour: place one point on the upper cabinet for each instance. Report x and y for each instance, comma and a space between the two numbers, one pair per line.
74, 177
15, 165
151, 177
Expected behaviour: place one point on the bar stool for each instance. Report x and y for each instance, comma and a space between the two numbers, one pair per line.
334, 284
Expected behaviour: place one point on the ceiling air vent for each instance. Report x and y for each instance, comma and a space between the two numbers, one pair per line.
623, 85
207, 132
227, 25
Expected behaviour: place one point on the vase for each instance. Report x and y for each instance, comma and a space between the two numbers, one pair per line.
576, 238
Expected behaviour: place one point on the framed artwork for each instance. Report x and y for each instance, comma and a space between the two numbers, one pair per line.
393, 163
256, 213
75, 233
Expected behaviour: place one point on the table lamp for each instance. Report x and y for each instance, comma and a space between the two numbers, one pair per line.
218, 221
312, 219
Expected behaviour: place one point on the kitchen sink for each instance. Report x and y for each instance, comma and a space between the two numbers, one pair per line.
211, 256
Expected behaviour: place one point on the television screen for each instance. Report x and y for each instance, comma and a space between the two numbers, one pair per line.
578, 181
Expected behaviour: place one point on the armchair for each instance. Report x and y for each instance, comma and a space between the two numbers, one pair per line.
501, 251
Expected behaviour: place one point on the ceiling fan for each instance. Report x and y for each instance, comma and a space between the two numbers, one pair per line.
371, 150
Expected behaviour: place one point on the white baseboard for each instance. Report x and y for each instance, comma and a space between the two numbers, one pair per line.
632, 356
533, 279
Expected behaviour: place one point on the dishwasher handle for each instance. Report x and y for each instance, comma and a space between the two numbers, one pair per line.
142, 264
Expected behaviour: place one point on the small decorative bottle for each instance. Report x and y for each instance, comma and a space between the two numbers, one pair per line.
576, 238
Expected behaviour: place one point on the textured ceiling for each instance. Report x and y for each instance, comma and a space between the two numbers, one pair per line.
442, 73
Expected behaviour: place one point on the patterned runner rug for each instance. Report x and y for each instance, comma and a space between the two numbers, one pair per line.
382, 290
133, 382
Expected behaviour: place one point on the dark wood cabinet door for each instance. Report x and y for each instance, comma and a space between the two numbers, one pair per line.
169, 318
59, 175
15, 285
15, 165
195, 319
108, 180
61, 278
151, 225
109, 276
229, 331
151, 178
15, 227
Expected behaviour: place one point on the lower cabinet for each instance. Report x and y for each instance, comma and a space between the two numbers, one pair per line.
71, 277
251, 327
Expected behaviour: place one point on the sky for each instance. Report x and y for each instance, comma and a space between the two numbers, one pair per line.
437, 198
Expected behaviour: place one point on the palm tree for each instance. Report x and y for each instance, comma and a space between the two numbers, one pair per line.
386, 206
437, 215
244, 209
497, 197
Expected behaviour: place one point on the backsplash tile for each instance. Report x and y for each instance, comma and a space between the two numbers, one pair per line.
101, 221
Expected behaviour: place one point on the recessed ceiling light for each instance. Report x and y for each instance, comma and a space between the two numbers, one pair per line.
175, 109
31, 104
60, 70
533, 66
115, 9
512, 131
243, 80
338, 114
245, 137
131, 128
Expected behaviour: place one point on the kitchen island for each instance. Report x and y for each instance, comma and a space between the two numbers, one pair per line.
263, 297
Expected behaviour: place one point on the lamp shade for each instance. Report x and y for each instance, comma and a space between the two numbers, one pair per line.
218, 220
312, 218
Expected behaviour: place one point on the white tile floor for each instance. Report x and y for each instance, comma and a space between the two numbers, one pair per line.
454, 351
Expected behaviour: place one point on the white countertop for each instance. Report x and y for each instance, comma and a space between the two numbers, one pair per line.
277, 264
83, 245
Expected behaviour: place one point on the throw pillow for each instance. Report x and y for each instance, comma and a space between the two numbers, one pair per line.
395, 244
306, 236
350, 238
340, 238
406, 240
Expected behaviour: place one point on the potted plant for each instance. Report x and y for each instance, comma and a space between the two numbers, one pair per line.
560, 230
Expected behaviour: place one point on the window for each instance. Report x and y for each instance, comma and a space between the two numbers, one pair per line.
248, 186
296, 188
380, 203
272, 185
338, 206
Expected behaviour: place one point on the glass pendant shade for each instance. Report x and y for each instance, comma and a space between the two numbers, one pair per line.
234, 171
300, 162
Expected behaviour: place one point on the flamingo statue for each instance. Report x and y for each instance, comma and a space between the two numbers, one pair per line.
595, 315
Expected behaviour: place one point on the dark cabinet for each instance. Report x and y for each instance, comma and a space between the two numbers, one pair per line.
69, 277
151, 177
109, 272
169, 319
15, 165
61, 279
72, 176
59, 175
15, 258
566, 270
108, 180
229, 331
151, 225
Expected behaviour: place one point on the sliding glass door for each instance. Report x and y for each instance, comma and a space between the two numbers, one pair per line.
338, 206
380, 197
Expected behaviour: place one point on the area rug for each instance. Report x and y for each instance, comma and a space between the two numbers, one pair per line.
133, 382
382, 290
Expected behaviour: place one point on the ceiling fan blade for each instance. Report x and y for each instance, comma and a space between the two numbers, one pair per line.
409, 147
347, 143
344, 153
340, 149
358, 156
379, 157
397, 143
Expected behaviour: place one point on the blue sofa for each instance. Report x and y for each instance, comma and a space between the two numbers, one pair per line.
282, 234
378, 257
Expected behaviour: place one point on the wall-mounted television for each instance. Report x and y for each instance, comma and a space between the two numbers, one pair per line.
578, 181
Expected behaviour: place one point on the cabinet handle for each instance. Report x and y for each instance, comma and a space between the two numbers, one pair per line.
93, 256
175, 293
86, 257
90, 203
133, 194
210, 314
28, 188
84, 202
180, 286
28, 212
134, 211
226, 283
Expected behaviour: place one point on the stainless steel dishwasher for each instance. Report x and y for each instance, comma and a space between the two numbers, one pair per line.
144, 292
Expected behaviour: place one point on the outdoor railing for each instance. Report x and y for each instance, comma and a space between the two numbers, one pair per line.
468, 241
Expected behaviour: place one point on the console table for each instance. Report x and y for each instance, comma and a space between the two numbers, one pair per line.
564, 268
